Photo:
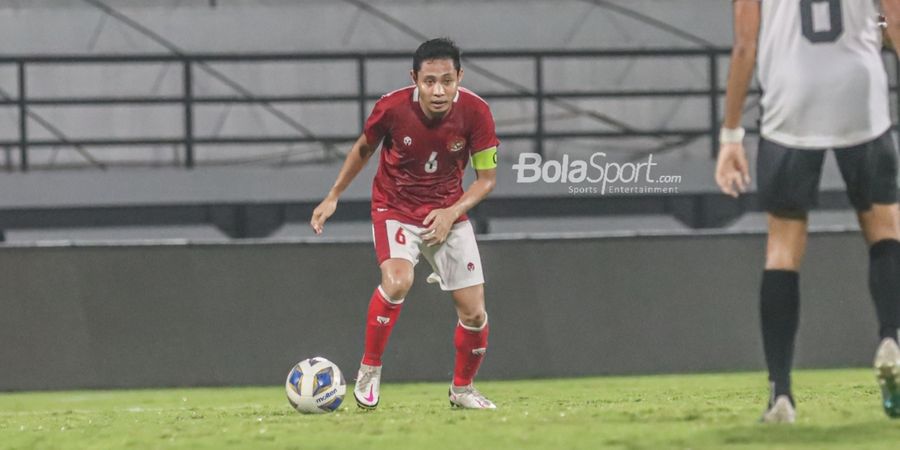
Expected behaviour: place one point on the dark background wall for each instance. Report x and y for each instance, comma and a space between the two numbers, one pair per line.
232, 314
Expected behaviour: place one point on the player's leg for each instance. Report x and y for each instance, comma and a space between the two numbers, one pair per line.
870, 171
779, 307
881, 228
788, 182
457, 267
471, 340
384, 307
397, 252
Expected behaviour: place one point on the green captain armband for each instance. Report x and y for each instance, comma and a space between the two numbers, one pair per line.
485, 159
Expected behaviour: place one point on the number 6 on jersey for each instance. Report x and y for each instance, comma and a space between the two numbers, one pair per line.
431, 164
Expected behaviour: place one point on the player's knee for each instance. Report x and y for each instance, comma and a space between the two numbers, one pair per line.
880, 222
783, 259
786, 242
473, 318
396, 282
396, 289
881, 233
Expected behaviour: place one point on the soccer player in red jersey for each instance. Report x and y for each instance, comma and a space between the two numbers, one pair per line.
428, 133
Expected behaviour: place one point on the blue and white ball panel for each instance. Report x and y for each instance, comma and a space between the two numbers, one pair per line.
315, 385
292, 386
322, 381
332, 405
293, 381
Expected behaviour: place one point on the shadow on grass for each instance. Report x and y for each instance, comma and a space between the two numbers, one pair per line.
869, 434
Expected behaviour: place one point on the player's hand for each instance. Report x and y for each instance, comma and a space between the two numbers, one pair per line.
439, 222
322, 213
732, 170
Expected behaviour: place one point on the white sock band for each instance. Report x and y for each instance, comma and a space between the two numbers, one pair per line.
387, 298
475, 328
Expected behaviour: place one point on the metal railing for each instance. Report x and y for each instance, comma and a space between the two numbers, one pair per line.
188, 100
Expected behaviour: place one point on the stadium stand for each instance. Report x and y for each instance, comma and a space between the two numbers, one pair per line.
192, 126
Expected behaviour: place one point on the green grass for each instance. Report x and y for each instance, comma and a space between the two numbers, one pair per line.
837, 409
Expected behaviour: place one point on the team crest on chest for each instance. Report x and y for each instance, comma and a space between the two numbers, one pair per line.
456, 144
407, 141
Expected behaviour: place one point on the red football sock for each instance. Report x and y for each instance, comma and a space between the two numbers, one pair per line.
380, 320
470, 348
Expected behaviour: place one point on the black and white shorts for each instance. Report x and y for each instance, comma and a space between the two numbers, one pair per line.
788, 178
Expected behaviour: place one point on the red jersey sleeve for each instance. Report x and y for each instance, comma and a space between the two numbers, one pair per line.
484, 134
377, 125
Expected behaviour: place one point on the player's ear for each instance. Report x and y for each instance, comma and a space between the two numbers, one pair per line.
459, 75
412, 74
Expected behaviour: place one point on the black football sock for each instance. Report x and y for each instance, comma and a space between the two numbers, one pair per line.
884, 284
779, 307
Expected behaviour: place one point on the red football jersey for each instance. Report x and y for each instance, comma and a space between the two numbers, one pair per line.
422, 159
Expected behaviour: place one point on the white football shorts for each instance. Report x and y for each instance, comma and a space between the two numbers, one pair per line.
456, 262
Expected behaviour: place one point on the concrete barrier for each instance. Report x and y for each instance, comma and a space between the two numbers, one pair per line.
242, 313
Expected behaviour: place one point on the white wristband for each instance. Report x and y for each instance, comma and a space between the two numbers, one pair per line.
731, 135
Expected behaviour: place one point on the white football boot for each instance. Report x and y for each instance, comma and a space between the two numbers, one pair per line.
368, 386
887, 369
781, 411
468, 397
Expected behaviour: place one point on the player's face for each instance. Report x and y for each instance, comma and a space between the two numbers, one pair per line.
438, 82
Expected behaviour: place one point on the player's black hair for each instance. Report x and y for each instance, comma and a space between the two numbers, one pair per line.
439, 48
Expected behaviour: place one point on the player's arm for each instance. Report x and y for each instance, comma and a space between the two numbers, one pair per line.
357, 158
732, 170
439, 221
891, 11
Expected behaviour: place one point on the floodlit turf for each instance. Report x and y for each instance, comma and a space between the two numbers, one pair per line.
837, 409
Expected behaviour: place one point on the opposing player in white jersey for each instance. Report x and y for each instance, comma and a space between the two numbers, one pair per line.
824, 87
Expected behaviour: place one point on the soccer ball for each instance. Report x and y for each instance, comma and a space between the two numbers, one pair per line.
315, 385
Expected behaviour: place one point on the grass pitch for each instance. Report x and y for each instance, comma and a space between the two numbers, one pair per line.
837, 409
